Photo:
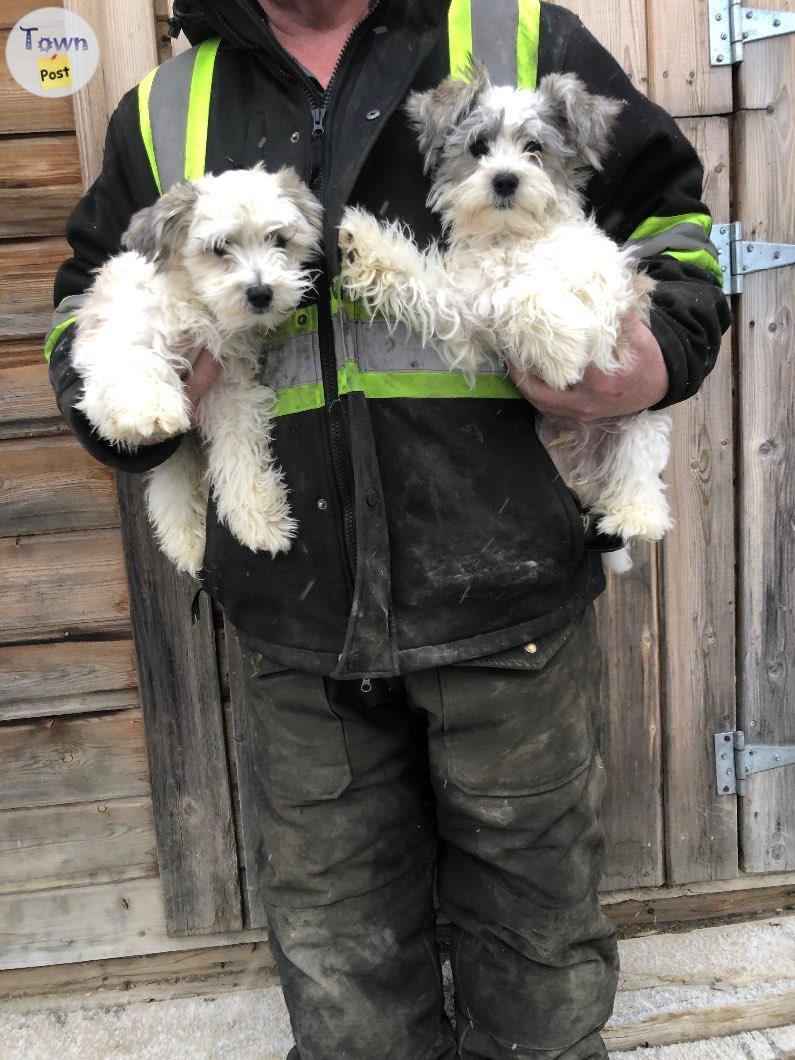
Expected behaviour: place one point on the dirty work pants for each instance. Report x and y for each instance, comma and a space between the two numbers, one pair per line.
486, 777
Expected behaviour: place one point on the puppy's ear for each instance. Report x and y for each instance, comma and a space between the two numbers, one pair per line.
158, 232
584, 120
302, 198
435, 113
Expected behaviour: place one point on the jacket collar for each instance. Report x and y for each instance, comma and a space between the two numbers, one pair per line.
243, 22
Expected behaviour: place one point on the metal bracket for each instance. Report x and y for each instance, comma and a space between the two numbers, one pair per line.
738, 258
731, 26
735, 761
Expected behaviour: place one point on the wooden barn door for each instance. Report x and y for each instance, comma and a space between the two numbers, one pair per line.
668, 628
764, 148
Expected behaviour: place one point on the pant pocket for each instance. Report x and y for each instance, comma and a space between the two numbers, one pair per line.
301, 740
513, 732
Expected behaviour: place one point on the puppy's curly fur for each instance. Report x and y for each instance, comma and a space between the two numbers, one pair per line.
213, 264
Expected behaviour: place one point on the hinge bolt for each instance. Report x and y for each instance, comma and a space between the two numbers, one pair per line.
718, 18
720, 58
776, 22
749, 14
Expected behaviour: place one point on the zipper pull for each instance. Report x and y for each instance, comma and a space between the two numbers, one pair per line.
318, 117
367, 685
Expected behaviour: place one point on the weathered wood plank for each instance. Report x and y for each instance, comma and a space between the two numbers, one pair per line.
185, 736
59, 585
51, 484
679, 1027
680, 76
27, 273
39, 161
44, 680
70, 846
69, 760
125, 980
670, 906
247, 753
621, 27
72, 924
699, 592
26, 212
22, 112
765, 164
767, 70
13, 10
629, 634
27, 403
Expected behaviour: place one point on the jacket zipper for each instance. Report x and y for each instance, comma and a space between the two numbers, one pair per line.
328, 362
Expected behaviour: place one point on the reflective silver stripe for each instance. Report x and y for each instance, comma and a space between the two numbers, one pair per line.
168, 109
379, 349
67, 309
292, 361
685, 236
495, 27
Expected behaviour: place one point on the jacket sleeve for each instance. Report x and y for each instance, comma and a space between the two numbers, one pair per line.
648, 195
94, 231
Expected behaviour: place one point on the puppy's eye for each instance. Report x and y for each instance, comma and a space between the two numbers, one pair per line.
280, 242
478, 148
220, 250
533, 147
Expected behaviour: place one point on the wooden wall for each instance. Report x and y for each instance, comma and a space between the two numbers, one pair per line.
76, 796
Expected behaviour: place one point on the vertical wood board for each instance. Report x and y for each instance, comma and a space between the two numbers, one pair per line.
765, 148
698, 642
680, 76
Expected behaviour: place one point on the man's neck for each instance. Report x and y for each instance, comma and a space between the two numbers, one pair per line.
314, 31
315, 16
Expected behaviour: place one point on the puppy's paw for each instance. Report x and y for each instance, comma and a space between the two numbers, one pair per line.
143, 411
185, 549
648, 522
261, 533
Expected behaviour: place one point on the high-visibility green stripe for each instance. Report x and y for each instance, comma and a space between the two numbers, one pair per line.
655, 226
527, 39
702, 258
350, 379
199, 109
298, 399
54, 335
144, 91
300, 322
459, 34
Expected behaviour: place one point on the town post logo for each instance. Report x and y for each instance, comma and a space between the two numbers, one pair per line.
52, 52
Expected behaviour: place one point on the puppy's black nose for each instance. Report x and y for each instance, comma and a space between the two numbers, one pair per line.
260, 296
505, 184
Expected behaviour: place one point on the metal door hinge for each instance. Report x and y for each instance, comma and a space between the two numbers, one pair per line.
731, 26
735, 760
738, 257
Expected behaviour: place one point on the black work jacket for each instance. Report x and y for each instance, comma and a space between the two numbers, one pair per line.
431, 530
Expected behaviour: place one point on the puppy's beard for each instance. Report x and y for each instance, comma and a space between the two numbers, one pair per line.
224, 294
473, 209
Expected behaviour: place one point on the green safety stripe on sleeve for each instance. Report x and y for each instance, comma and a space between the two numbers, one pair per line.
655, 226
702, 258
301, 322
54, 335
144, 91
199, 109
459, 34
350, 379
527, 41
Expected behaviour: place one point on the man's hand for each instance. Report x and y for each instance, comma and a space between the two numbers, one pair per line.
599, 396
205, 374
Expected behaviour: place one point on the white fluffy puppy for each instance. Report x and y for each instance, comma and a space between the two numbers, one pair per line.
526, 274
213, 264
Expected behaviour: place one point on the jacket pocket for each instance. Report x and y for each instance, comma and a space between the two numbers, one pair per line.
524, 723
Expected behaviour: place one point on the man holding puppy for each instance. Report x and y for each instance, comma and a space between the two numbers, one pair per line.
423, 662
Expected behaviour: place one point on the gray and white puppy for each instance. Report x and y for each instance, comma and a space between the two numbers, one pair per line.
213, 264
525, 275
